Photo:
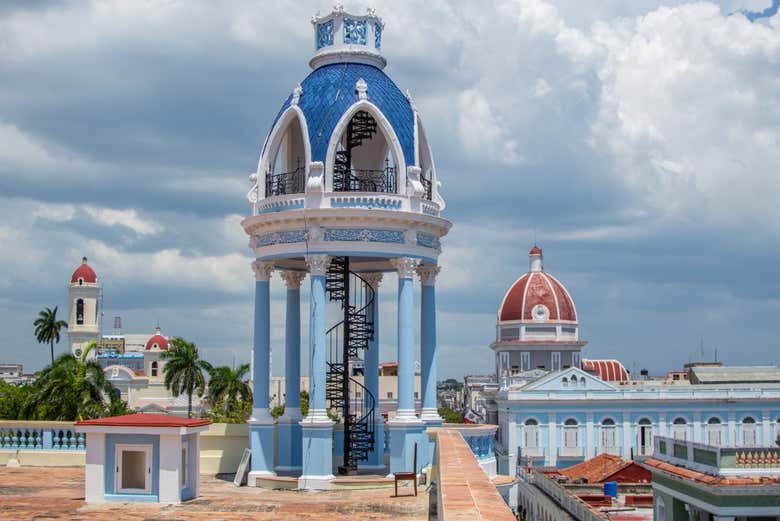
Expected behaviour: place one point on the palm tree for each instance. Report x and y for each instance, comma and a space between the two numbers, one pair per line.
47, 328
227, 385
72, 389
184, 370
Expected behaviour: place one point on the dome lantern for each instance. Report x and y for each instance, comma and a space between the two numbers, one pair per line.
341, 37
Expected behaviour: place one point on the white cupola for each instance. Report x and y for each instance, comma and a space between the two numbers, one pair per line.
341, 37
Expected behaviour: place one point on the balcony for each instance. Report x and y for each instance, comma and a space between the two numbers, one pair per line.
570, 452
382, 181
719, 461
286, 182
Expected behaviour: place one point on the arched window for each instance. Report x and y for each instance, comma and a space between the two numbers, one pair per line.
565, 382
154, 368
531, 435
713, 431
680, 429
582, 381
571, 432
608, 434
80, 311
749, 432
81, 281
286, 168
660, 508
644, 437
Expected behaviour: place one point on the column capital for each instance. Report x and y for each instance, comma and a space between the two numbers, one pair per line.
262, 270
318, 264
428, 274
405, 266
293, 278
373, 278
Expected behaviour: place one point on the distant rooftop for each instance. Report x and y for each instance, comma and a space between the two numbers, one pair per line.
734, 374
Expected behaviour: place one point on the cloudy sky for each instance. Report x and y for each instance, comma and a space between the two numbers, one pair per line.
637, 140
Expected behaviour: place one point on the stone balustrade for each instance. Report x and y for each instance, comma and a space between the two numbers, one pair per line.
23, 435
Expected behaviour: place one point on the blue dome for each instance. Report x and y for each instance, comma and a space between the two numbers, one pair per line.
329, 91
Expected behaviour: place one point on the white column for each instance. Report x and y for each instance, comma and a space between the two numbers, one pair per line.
732, 430
169, 481
195, 476
94, 473
766, 435
697, 435
511, 443
589, 441
662, 424
627, 435
552, 451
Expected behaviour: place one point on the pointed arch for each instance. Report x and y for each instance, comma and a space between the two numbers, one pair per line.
387, 131
424, 159
274, 141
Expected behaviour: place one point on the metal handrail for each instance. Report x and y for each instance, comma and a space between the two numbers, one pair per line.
286, 182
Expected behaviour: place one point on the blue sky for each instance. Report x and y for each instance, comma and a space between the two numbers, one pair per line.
637, 140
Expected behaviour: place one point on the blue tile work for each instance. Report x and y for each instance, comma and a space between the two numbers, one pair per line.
355, 31
329, 91
325, 34
364, 235
377, 35
280, 238
427, 240
481, 446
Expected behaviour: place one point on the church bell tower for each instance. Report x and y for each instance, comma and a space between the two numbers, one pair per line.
84, 315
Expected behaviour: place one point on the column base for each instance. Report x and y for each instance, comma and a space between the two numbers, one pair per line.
431, 416
317, 454
253, 476
403, 436
289, 447
261, 442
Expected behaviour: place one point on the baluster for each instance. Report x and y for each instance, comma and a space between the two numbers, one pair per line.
38, 444
15, 439
5, 441
80, 441
774, 458
70, 440
57, 439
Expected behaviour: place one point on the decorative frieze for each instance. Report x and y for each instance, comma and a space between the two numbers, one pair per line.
364, 235
427, 240
318, 264
262, 270
293, 278
286, 237
405, 266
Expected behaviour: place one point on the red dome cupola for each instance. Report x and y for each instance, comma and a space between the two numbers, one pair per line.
157, 342
84, 274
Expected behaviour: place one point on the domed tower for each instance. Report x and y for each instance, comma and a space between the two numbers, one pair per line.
83, 316
537, 325
345, 191
153, 364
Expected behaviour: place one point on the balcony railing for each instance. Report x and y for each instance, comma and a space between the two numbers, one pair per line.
365, 180
724, 461
570, 452
428, 186
19, 435
286, 182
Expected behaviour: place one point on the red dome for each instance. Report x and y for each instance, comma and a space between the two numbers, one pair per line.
607, 370
85, 273
537, 288
161, 341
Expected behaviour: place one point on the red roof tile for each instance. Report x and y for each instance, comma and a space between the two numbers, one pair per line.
594, 469
717, 481
145, 420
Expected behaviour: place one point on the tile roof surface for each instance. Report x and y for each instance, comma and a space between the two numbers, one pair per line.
145, 420
329, 91
706, 479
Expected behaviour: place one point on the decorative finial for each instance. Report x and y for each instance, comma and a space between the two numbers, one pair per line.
83, 260
297, 93
361, 87
338, 8
370, 11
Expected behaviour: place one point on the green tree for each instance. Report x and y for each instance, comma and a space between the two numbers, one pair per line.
12, 399
229, 394
184, 370
450, 416
47, 328
279, 409
72, 389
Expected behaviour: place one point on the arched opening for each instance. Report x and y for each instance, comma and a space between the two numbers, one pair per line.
749, 432
364, 161
286, 170
608, 431
531, 437
565, 382
645, 437
571, 437
154, 368
427, 169
680, 429
713, 431
80, 312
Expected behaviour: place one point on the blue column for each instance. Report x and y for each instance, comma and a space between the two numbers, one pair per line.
289, 429
376, 458
406, 429
261, 424
317, 428
428, 343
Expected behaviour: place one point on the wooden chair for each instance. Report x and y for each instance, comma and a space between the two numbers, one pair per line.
408, 476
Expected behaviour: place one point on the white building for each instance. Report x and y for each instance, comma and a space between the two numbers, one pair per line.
556, 409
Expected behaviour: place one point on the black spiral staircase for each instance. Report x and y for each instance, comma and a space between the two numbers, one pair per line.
347, 341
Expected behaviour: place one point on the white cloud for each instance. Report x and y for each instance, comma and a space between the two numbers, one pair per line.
480, 130
55, 212
128, 218
541, 88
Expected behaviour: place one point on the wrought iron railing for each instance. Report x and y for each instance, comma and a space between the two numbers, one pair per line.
347, 179
427, 183
286, 182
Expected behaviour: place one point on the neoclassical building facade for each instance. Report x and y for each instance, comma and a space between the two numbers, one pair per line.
555, 408
345, 192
